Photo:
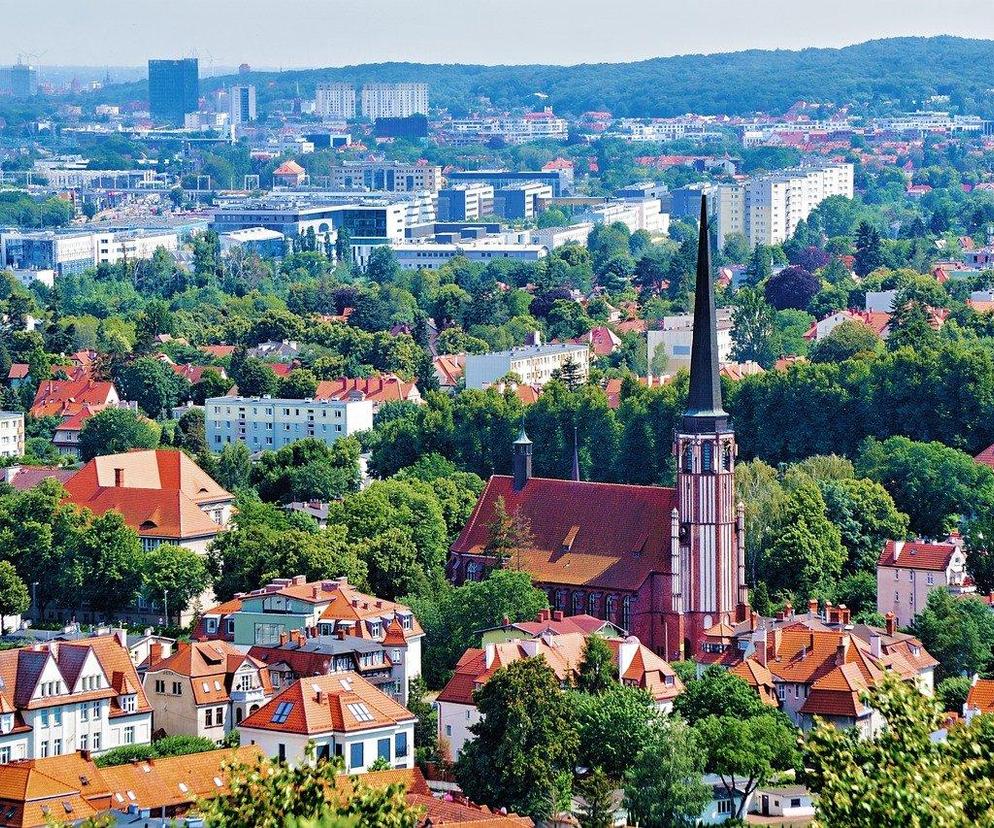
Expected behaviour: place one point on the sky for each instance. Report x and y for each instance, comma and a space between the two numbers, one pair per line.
317, 33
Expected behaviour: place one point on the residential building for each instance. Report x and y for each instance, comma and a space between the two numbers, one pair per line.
299, 654
241, 105
380, 389
173, 89
205, 688
387, 176
343, 714
270, 244
62, 696
534, 364
335, 101
132, 245
635, 213
560, 179
162, 494
551, 622
818, 663
394, 100
767, 209
908, 571
669, 346
267, 423
289, 174
267, 617
465, 202
432, 255
636, 666
38, 792
519, 200
979, 698
666, 564
65, 397
11, 434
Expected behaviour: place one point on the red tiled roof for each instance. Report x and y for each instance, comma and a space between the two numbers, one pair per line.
384, 388
18, 370
27, 477
601, 534
219, 351
63, 397
917, 555
986, 456
981, 696
290, 167
210, 667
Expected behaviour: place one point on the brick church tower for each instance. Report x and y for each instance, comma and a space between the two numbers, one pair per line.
708, 548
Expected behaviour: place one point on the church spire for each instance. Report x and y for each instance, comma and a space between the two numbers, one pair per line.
704, 407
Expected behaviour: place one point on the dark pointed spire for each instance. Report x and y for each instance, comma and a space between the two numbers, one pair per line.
576, 455
704, 408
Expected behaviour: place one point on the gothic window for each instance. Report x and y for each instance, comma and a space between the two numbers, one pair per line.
592, 601
610, 607
577, 603
626, 613
560, 599
688, 458
707, 457
726, 457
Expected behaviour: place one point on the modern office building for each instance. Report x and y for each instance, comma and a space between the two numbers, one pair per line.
19, 80
335, 100
534, 364
465, 202
767, 209
431, 256
387, 176
74, 252
394, 100
561, 180
411, 128
241, 105
173, 89
519, 200
265, 423
259, 240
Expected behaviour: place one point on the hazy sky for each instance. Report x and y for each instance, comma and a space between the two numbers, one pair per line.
292, 33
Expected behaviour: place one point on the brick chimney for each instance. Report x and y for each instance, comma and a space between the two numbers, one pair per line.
891, 623
875, 649
284, 638
813, 606
118, 478
543, 614
557, 615
842, 652
154, 653
320, 696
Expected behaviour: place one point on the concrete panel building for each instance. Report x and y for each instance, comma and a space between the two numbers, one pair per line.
534, 364
394, 100
335, 100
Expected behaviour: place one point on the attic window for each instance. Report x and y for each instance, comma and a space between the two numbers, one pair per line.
183, 787
217, 685
570, 538
148, 524
360, 711
282, 712
217, 781
207, 687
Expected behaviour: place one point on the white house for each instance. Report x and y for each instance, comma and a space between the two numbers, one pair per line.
343, 714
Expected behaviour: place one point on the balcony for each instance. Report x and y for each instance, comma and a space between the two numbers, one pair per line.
251, 696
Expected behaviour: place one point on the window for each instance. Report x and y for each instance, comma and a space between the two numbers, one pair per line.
610, 607
400, 745
177, 688
707, 457
57, 747
356, 755
96, 741
577, 603
448, 730
84, 741
626, 612
688, 458
4, 755
128, 704
930, 579
57, 716
44, 749
726, 457
383, 749
209, 717
230, 625
282, 712
360, 712
219, 716
129, 735
795, 802
211, 625
281, 752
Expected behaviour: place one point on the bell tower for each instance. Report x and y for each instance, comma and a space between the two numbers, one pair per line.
711, 569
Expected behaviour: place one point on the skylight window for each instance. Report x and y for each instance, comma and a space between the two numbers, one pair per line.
360, 711
282, 712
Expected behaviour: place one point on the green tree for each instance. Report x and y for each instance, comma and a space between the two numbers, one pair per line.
754, 328
299, 384
255, 378
952, 692
609, 724
663, 787
116, 430
850, 338
524, 740
392, 561
14, 597
717, 693
308, 469
869, 255
191, 431
597, 791
508, 535
958, 632
234, 466
110, 564
866, 517
597, 673
174, 574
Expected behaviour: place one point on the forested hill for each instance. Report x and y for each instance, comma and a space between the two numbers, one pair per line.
877, 76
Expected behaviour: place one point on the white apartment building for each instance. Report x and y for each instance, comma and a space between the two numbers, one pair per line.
111, 248
636, 214
432, 255
767, 209
335, 100
241, 104
669, 347
266, 423
394, 100
388, 176
64, 696
534, 364
11, 434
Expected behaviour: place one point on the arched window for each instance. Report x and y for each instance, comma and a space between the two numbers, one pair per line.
707, 457
726, 457
577, 603
474, 571
560, 599
688, 458
593, 600
610, 607
626, 613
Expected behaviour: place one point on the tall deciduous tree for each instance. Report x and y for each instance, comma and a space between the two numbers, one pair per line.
597, 673
115, 430
14, 597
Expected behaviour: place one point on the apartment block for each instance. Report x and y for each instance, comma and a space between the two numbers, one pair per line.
265, 423
335, 100
241, 105
394, 100
11, 434
534, 364
388, 176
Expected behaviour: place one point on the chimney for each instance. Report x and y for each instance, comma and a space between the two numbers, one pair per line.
319, 696
626, 653
788, 610
891, 622
85, 755
844, 615
489, 652
154, 653
761, 641
842, 651
875, 649
543, 615
118, 478
557, 615
829, 612
813, 606
753, 619
340, 633
521, 460
505, 621
283, 639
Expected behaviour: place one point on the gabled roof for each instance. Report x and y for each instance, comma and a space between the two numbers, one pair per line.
63, 397
981, 696
384, 388
290, 167
934, 557
599, 534
337, 703
210, 667
27, 477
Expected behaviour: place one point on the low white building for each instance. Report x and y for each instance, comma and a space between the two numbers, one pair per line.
11, 434
270, 423
64, 696
343, 714
636, 214
534, 364
669, 347
431, 256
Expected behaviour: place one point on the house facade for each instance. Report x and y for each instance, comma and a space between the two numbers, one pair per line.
907, 571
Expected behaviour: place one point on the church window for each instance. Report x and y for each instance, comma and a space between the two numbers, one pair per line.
577, 603
688, 458
474, 571
560, 599
610, 607
707, 457
726, 457
592, 601
626, 613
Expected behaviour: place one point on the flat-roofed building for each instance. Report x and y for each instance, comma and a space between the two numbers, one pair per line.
534, 364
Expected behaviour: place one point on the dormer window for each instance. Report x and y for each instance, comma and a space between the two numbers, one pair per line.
6, 723
129, 703
211, 625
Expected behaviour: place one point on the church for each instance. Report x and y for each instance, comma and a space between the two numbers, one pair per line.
665, 564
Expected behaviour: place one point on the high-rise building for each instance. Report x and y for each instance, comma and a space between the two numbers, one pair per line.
173, 89
394, 100
241, 104
19, 80
335, 100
